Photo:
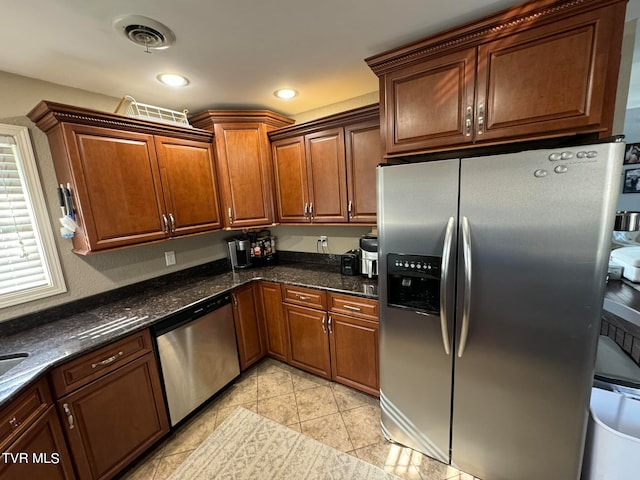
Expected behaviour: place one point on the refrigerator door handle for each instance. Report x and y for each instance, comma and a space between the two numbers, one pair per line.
444, 283
466, 254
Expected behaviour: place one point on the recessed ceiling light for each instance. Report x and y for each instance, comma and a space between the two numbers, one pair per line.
173, 80
285, 93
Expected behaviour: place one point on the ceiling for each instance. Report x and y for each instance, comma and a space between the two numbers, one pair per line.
236, 53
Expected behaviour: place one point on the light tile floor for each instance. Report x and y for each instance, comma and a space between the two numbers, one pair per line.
329, 412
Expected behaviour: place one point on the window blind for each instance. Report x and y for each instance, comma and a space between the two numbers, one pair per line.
21, 261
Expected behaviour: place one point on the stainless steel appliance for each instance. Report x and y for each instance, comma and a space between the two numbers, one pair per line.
369, 255
490, 302
239, 252
198, 355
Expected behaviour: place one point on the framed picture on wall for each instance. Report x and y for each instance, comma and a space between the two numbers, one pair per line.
631, 181
632, 154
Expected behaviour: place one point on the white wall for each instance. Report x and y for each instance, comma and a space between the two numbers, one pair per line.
305, 238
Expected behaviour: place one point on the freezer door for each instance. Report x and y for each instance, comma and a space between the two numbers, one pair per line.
536, 239
415, 204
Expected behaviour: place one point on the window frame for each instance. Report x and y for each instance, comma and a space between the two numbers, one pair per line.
42, 228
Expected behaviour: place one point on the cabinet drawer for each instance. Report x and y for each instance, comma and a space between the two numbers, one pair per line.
22, 412
94, 365
355, 306
307, 297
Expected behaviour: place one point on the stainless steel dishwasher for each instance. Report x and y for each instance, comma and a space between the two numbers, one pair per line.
198, 354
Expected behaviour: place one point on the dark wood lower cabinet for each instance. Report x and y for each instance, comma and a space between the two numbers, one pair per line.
353, 343
111, 421
247, 323
308, 341
273, 320
39, 453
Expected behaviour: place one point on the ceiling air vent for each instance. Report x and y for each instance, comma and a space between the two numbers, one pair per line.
146, 32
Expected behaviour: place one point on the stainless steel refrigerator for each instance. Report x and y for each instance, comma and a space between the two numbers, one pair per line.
491, 280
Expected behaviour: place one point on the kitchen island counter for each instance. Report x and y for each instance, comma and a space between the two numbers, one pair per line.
59, 341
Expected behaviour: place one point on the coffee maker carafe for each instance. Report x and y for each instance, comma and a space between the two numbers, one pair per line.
369, 255
239, 252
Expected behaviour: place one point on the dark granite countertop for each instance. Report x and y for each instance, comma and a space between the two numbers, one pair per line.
59, 341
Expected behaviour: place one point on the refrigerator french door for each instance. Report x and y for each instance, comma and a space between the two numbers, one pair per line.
492, 273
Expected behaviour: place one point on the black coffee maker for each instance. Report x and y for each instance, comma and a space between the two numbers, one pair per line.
239, 252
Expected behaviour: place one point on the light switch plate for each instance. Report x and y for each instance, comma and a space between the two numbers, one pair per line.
170, 258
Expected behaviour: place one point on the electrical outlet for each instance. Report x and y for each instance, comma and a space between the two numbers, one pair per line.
324, 240
170, 258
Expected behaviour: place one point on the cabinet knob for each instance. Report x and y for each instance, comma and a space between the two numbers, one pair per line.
306, 210
14, 422
329, 323
166, 223
173, 223
467, 121
324, 330
350, 209
311, 215
230, 214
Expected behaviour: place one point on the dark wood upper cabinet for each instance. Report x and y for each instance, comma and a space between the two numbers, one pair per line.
564, 91
325, 170
431, 104
364, 151
243, 158
290, 170
326, 176
543, 69
118, 191
189, 185
132, 181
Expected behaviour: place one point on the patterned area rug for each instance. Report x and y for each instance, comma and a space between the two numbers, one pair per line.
248, 446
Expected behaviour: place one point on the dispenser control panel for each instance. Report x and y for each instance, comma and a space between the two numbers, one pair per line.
398, 263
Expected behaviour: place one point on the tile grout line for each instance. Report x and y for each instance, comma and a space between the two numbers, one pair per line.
353, 448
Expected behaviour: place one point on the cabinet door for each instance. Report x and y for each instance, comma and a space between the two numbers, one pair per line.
46, 452
290, 170
245, 315
548, 79
244, 169
431, 104
354, 352
364, 150
273, 321
109, 422
326, 176
308, 342
189, 185
117, 185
